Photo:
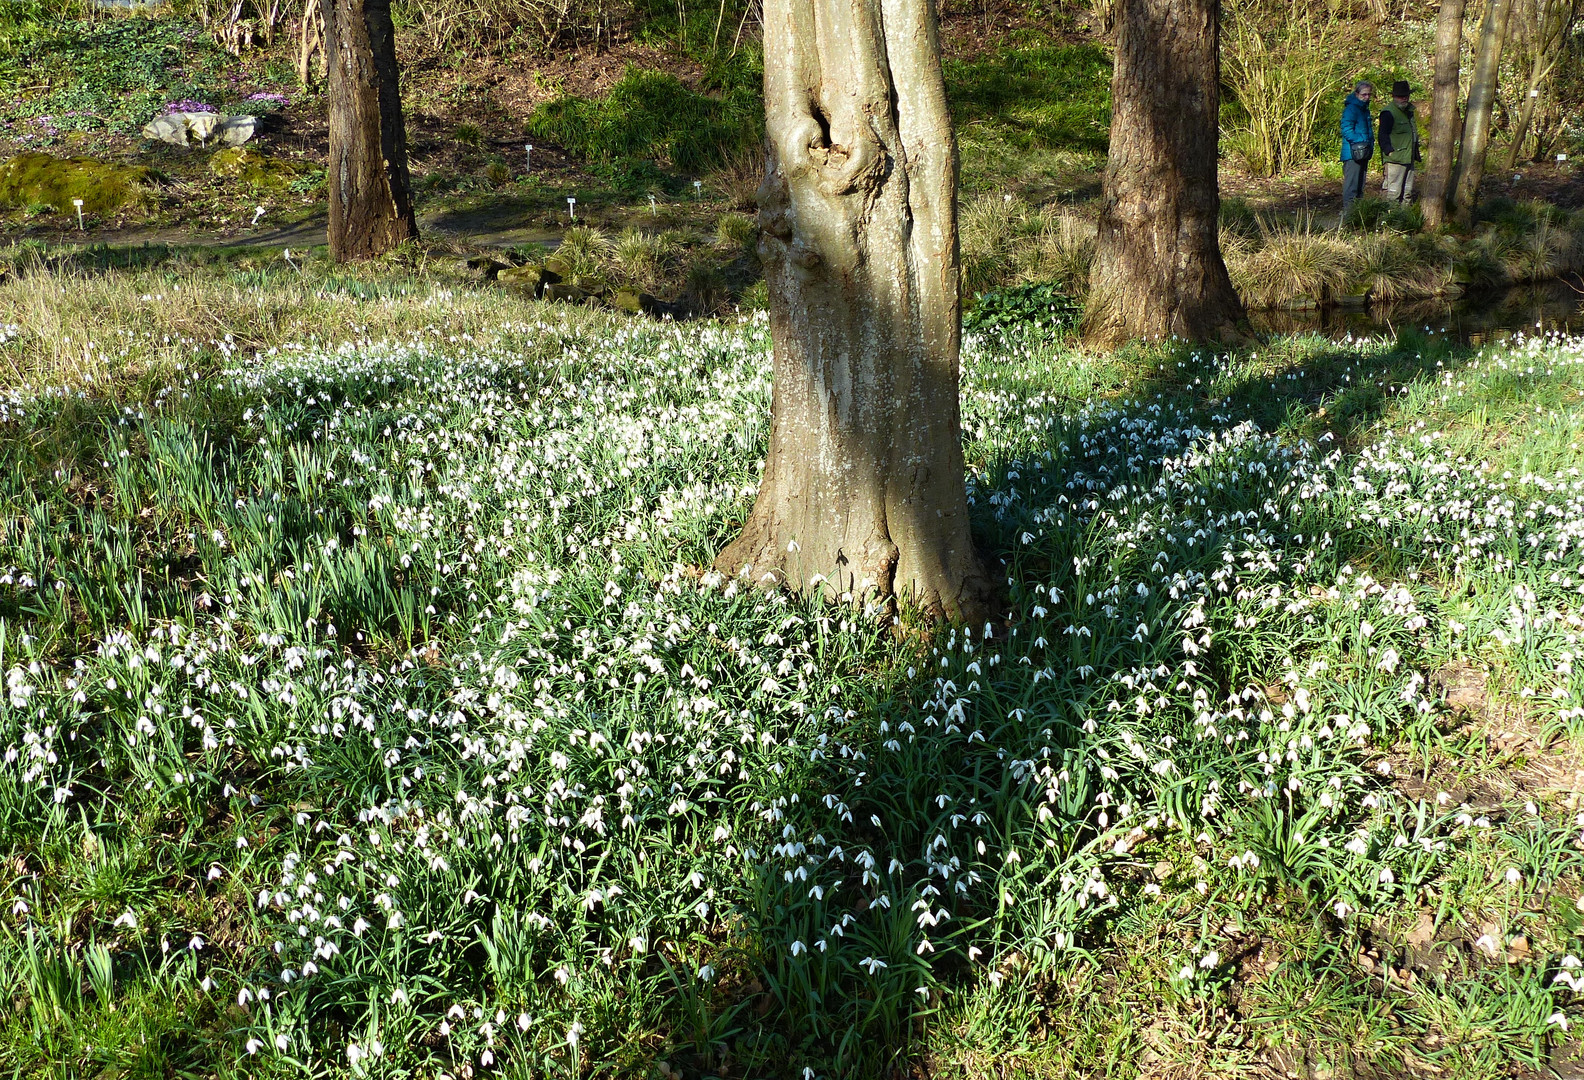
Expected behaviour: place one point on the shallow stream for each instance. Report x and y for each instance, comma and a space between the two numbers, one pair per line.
1489, 315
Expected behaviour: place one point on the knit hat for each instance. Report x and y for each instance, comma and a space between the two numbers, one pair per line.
1400, 88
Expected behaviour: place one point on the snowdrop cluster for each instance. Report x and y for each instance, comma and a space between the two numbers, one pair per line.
435, 655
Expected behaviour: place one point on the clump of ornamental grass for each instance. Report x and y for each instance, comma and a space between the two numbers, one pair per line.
1005, 240
637, 257
736, 233
584, 251
1290, 263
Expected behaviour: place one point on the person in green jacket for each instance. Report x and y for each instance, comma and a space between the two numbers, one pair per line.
1399, 144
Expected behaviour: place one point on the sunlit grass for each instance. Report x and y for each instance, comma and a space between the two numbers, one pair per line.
370, 708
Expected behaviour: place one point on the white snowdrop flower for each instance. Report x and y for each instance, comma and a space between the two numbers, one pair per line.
214, 872
1209, 959
798, 948
1558, 1019
487, 1058
398, 996
1513, 875
706, 973
254, 1046
523, 1021
282, 1042
19, 908
562, 975
196, 943
573, 1033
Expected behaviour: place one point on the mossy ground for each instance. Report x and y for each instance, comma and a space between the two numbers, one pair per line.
105, 189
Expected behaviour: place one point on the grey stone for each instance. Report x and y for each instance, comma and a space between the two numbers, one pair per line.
236, 130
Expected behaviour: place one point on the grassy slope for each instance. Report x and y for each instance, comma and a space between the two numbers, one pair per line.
361, 646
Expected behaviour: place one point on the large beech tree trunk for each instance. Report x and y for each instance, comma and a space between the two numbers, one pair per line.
1477, 118
371, 209
1444, 124
863, 492
1158, 270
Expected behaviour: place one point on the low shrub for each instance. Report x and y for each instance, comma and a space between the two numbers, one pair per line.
1041, 306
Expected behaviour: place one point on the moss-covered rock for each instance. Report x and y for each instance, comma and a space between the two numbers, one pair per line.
257, 171
36, 179
531, 278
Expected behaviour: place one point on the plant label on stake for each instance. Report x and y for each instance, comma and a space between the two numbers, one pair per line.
572, 207
653, 212
258, 212
77, 203
698, 189
528, 159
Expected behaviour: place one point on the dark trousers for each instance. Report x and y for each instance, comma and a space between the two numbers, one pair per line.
1353, 173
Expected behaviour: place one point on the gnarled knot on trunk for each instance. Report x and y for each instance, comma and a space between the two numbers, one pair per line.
841, 168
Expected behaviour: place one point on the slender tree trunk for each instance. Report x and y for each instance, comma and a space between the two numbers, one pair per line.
310, 40
1477, 120
863, 494
1444, 126
1158, 269
1537, 73
371, 208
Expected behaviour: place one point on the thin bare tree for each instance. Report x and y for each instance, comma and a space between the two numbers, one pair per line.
1444, 125
1543, 26
1477, 117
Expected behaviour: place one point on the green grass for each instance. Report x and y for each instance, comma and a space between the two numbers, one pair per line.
651, 119
352, 626
1032, 118
106, 74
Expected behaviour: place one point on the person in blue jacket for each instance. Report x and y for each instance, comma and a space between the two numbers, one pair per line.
1358, 143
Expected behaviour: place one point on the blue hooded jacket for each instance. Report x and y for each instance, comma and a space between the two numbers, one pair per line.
1356, 126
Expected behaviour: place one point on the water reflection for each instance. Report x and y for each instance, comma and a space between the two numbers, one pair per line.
1475, 318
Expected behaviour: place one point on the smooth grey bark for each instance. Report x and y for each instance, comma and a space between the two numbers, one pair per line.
1444, 125
863, 495
1477, 117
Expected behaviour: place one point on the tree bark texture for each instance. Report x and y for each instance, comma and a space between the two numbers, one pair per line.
1477, 117
1158, 270
863, 493
1444, 126
371, 208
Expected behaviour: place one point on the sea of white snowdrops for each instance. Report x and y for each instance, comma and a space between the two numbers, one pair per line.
474, 763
